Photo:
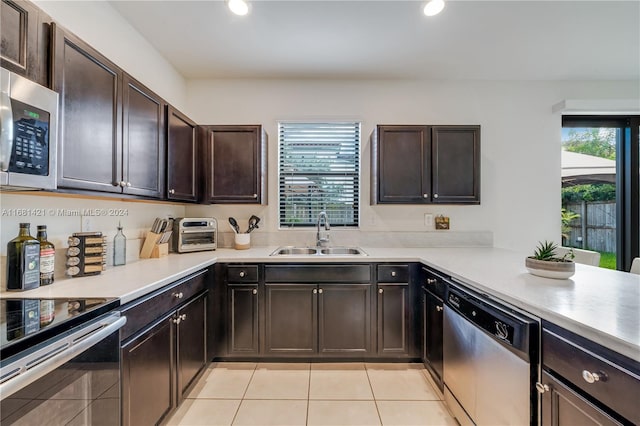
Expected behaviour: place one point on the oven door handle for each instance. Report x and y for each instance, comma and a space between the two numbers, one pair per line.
32, 367
6, 131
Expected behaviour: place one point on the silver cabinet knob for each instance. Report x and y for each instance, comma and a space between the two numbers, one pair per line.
183, 317
542, 388
431, 281
128, 183
380, 291
315, 291
242, 274
435, 195
425, 195
176, 320
255, 195
439, 308
393, 273
320, 291
254, 291
172, 191
590, 377
178, 295
123, 183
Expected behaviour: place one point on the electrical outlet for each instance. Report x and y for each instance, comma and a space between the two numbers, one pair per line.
428, 220
86, 223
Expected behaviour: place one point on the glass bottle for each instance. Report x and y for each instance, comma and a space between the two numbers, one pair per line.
47, 257
23, 261
119, 247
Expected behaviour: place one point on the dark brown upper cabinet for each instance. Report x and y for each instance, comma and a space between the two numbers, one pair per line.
234, 165
425, 164
24, 46
111, 126
182, 154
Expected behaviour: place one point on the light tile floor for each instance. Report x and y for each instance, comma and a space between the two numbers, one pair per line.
329, 394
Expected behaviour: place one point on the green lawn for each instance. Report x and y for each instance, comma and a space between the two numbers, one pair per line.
607, 260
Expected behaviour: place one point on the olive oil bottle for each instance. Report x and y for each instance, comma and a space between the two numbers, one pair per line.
23, 261
47, 257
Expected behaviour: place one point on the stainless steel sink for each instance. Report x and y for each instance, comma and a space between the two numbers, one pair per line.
311, 251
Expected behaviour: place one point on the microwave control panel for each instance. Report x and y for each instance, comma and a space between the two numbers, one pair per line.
30, 152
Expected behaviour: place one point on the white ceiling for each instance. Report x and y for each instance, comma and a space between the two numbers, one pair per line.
496, 40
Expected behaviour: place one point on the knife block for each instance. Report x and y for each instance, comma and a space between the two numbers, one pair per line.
150, 242
160, 250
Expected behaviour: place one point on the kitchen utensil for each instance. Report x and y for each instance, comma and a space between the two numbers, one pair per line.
234, 225
253, 223
156, 225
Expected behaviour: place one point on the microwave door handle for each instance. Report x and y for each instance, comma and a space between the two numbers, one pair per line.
6, 131
57, 357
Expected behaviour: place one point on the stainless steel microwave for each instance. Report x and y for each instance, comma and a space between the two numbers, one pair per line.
28, 133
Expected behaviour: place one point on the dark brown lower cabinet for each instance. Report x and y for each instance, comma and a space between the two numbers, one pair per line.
242, 320
561, 406
291, 325
161, 362
147, 375
432, 343
344, 319
393, 319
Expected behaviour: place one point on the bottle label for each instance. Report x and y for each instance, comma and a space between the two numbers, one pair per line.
47, 261
31, 274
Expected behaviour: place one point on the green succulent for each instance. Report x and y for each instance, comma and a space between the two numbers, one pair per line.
545, 251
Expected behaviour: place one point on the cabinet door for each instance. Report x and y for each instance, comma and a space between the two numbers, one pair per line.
143, 140
234, 164
89, 153
191, 339
291, 322
393, 319
344, 319
456, 164
181, 157
561, 406
403, 164
20, 50
243, 319
433, 335
147, 376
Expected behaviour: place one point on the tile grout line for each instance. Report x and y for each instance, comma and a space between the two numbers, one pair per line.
375, 400
244, 394
308, 396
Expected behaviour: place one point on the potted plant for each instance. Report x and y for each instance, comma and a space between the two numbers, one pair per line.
545, 263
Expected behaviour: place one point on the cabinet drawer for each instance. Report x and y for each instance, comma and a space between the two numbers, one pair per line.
393, 273
143, 311
318, 273
242, 274
618, 390
434, 283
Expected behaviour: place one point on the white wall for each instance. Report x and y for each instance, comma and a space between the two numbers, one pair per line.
102, 27
520, 142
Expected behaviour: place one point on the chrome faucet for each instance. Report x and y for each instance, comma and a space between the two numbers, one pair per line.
324, 240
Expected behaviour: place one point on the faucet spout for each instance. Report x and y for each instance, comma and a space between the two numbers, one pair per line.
322, 240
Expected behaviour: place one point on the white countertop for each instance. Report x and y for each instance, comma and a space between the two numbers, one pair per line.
599, 304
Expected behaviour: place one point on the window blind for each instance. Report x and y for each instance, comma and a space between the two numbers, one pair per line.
319, 170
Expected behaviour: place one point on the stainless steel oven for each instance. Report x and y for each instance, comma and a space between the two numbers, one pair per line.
60, 362
28, 133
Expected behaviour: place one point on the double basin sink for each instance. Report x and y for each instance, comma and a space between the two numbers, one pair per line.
320, 251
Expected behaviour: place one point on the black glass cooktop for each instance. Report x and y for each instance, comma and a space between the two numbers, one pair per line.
27, 322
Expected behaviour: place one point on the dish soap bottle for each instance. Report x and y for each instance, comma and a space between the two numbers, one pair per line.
47, 257
119, 247
23, 261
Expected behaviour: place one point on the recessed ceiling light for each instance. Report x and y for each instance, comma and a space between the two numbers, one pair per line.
239, 7
433, 7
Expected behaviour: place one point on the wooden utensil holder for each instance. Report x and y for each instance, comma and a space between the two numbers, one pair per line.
150, 242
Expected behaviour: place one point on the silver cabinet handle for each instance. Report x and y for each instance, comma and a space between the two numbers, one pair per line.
431, 281
254, 291
320, 291
178, 295
542, 388
425, 195
242, 274
172, 191
315, 291
435, 195
439, 308
380, 291
590, 377
393, 273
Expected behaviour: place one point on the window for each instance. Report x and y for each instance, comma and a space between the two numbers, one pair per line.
319, 170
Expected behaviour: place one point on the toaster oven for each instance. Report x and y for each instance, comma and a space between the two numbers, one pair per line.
194, 234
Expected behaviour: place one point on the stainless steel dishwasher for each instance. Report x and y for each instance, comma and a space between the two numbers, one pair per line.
490, 361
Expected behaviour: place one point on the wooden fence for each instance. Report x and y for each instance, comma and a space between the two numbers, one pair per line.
595, 229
